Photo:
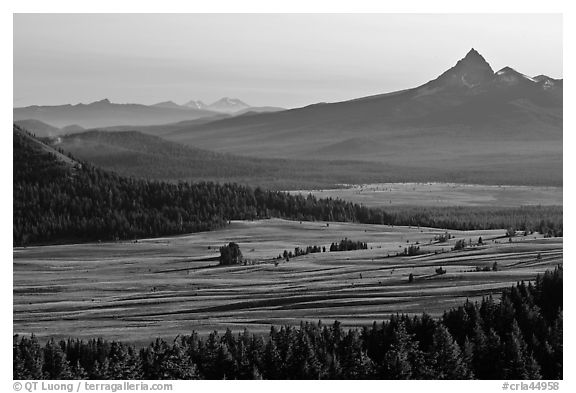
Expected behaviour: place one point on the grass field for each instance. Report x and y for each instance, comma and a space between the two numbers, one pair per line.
443, 194
165, 287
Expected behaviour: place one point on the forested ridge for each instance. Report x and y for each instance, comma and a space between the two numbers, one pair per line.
140, 155
518, 337
56, 202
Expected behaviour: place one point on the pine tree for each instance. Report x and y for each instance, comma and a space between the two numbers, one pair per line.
78, 371
397, 361
28, 358
354, 361
491, 361
446, 356
272, 361
518, 363
55, 364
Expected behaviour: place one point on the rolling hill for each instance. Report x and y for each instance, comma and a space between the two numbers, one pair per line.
470, 119
132, 153
39, 128
58, 199
43, 130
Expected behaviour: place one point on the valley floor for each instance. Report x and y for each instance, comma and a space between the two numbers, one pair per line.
164, 287
443, 194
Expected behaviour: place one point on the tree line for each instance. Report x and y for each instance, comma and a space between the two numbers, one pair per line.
348, 245
56, 202
343, 245
519, 337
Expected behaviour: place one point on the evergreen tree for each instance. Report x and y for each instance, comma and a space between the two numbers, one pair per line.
446, 356
55, 364
518, 364
28, 358
403, 350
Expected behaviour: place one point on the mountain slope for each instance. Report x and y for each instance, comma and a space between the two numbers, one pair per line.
468, 118
132, 153
38, 128
170, 105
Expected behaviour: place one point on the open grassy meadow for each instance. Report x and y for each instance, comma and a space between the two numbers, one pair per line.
443, 194
169, 286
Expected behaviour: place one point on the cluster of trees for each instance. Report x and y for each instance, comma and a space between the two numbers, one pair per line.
440, 270
519, 337
411, 250
230, 254
459, 245
546, 220
348, 245
493, 268
298, 251
443, 238
343, 245
54, 201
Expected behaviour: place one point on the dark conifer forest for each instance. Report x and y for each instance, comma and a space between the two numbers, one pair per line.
517, 337
58, 199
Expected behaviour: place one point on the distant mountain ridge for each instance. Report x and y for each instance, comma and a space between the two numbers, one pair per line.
104, 113
135, 154
232, 106
469, 117
228, 105
469, 121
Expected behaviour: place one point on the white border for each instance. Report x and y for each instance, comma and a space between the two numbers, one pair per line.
296, 6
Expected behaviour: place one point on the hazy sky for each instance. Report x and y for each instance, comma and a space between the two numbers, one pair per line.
287, 60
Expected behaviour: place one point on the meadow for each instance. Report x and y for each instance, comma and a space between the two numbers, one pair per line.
136, 291
435, 194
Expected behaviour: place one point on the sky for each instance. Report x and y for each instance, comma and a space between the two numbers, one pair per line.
286, 60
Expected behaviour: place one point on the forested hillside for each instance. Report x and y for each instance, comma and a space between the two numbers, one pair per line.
132, 153
519, 337
58, 199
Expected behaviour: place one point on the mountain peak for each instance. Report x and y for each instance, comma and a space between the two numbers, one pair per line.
167, 104
473, 54
510, 76
228, 105
469, 72
196, 104
104, 101
507, 70
230, 101
474, 57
